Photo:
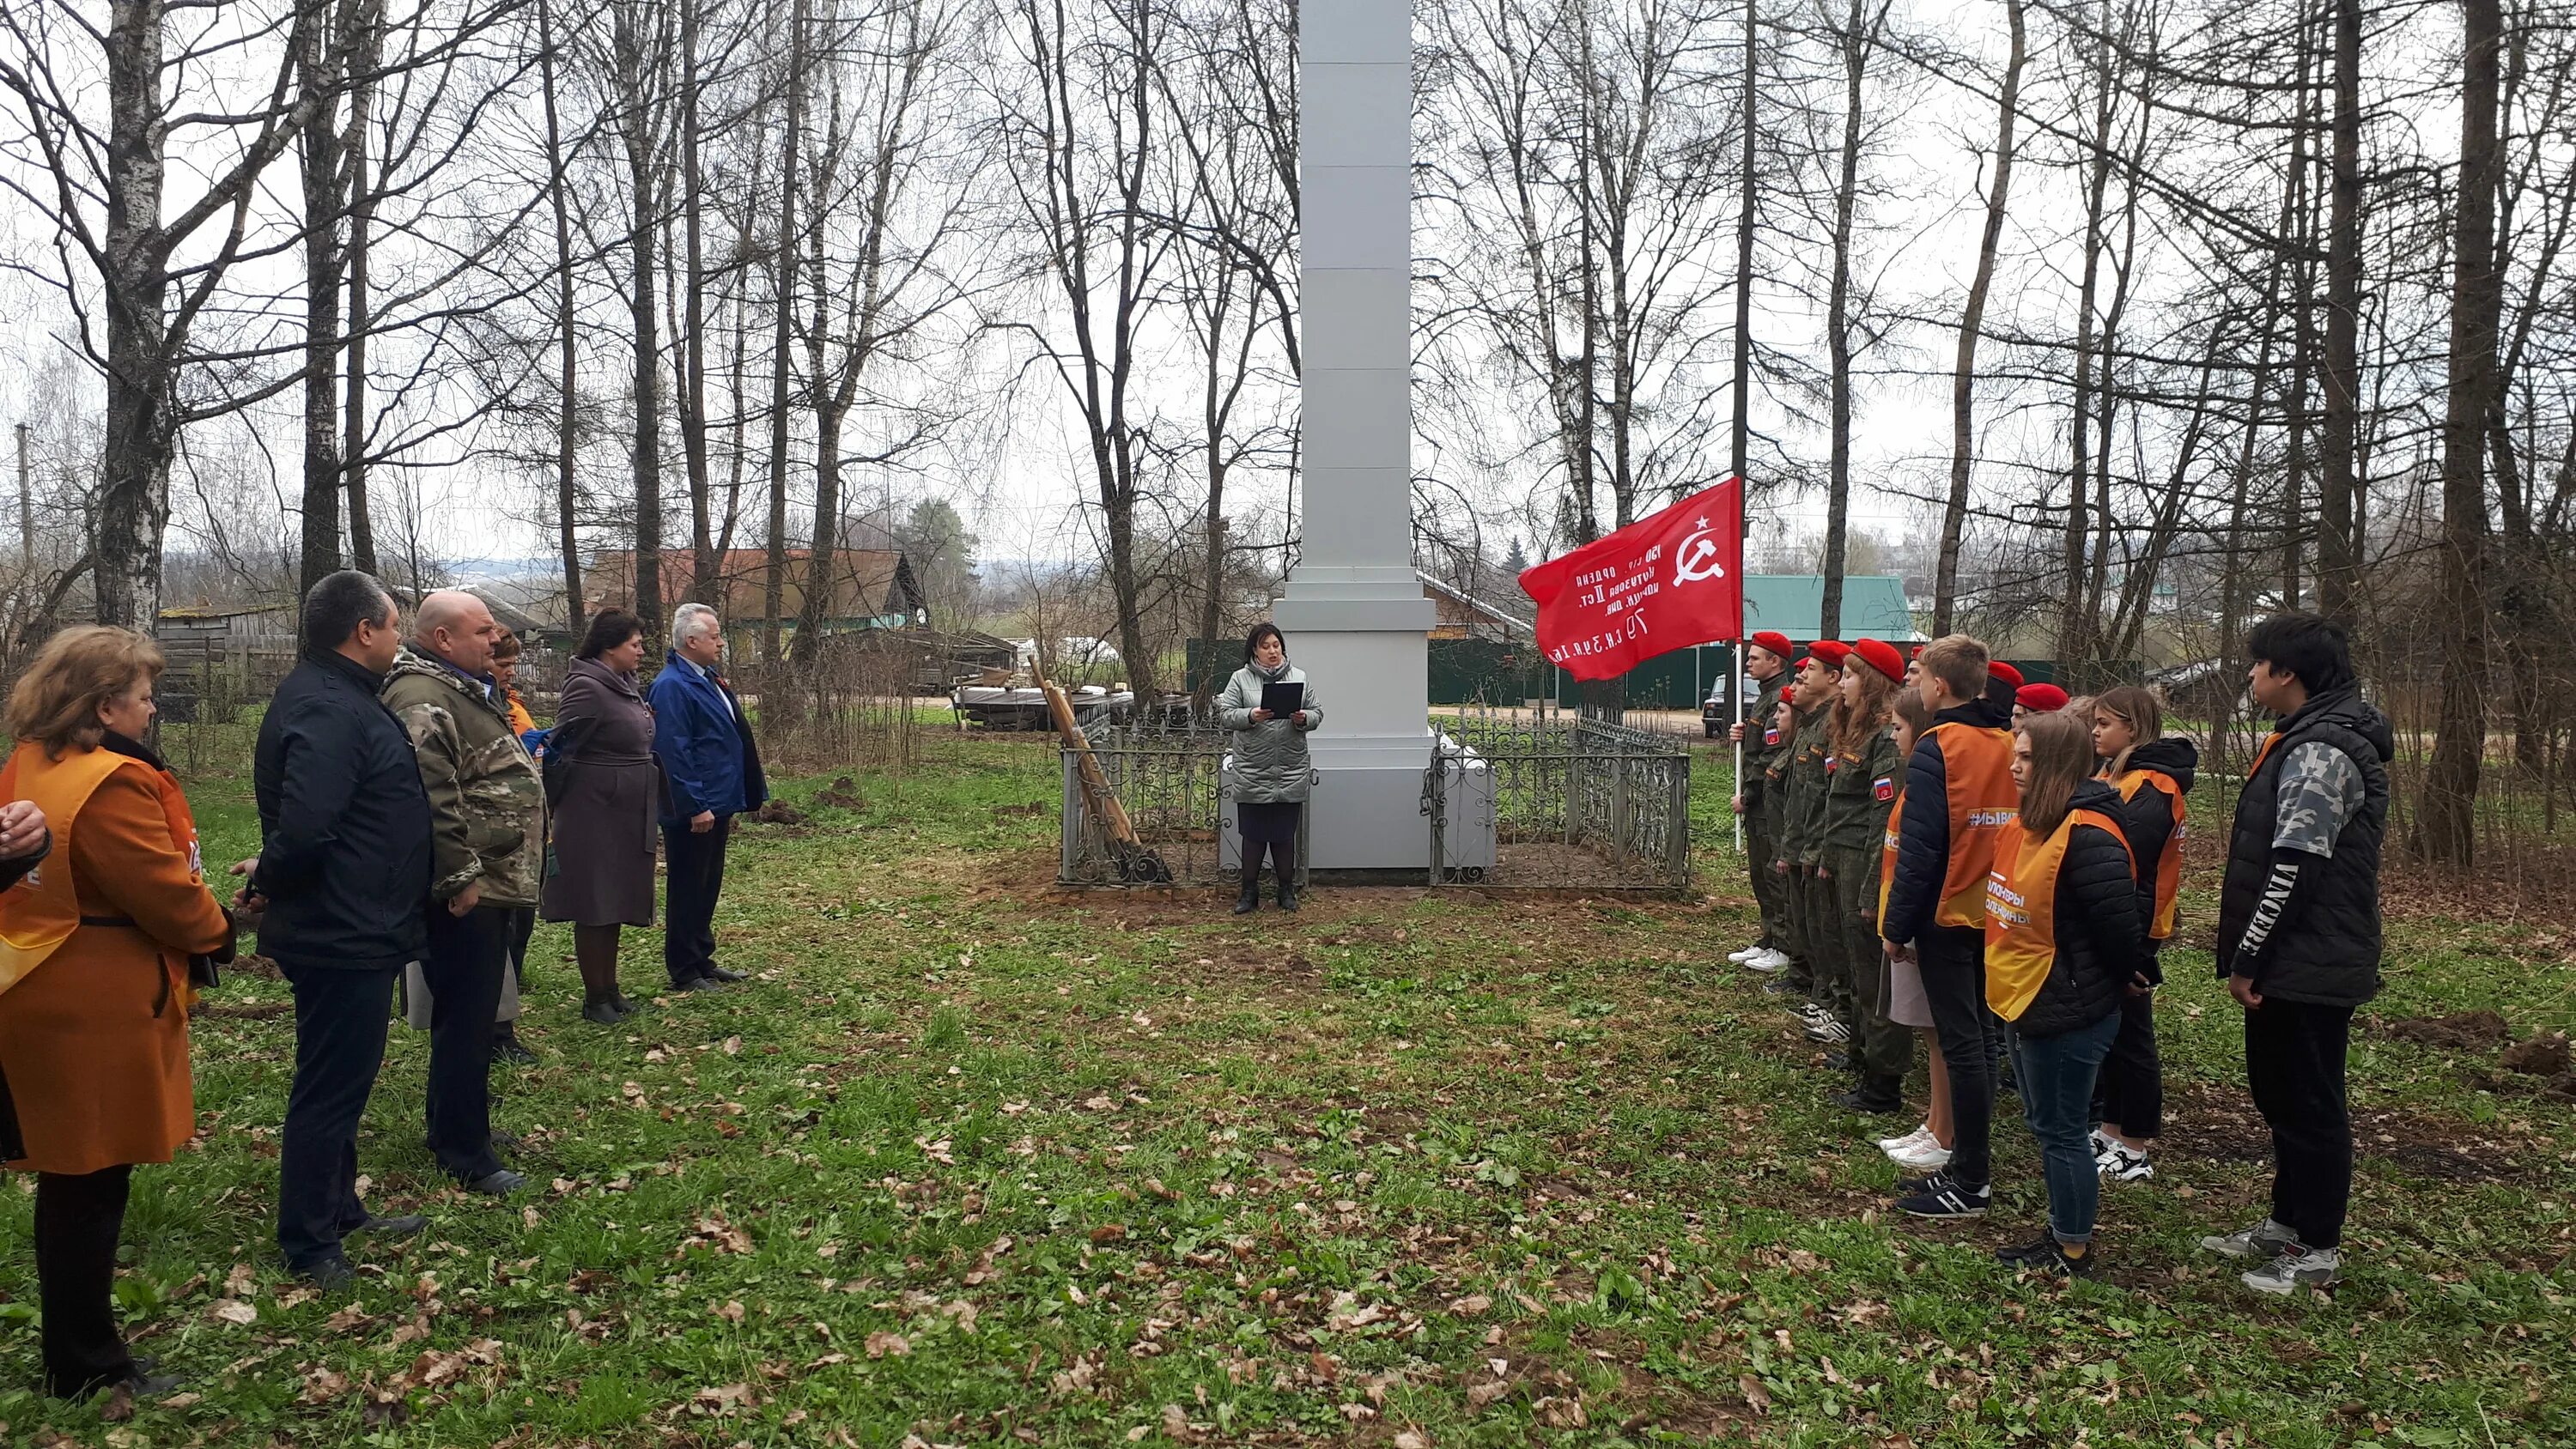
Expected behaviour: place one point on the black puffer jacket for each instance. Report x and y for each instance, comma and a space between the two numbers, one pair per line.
2147, 818
2325, 949
2101, 942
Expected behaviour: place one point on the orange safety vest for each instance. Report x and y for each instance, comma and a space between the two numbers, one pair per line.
42, 910
1976, 766
2169, 866
2021, 911
1887, 859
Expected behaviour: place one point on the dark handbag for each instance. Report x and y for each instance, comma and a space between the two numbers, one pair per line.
202, 970
556, 769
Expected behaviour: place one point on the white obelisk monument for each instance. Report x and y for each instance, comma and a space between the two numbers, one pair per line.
1354, 612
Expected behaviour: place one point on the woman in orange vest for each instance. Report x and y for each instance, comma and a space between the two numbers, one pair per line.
2062, 941
2153, 775
95, 964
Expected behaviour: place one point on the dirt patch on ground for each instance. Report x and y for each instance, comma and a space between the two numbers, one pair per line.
2471, 1031
2219, 1125
2542, 1056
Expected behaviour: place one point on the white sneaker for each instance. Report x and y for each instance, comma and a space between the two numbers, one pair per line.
1767, 961
2120, 1164
1748, 953
1919, 1134
1925, 1156
1827, 1028
2101, 1144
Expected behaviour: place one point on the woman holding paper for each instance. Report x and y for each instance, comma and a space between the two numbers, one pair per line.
1270, 707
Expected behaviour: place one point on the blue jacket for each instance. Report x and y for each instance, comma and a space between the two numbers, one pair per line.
709, 760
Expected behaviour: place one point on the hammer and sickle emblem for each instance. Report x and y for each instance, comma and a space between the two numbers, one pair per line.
1697, 559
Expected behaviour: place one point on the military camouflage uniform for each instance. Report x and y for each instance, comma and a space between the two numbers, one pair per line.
487, 802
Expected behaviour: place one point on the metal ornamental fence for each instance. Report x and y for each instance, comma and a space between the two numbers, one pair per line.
1507, 802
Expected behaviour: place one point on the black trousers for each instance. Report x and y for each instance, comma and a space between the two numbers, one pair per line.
78, 1219
467, 957
2294, 1060
1953, 962
2132, 1094
694, 864
340, 1017
523, 926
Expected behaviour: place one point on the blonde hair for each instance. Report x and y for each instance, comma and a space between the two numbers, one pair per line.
1959, 662
2061, 758
55, 702
2139, 709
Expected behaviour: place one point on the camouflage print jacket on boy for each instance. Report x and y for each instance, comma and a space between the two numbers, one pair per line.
1808, 782
487, 803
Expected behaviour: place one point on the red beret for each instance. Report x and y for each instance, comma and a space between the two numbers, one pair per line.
1775, 641
1880, 655
2005, 672
2041, 698
1917, 654
1829, 653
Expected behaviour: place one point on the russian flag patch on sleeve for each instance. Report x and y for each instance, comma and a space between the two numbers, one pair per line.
1883, 788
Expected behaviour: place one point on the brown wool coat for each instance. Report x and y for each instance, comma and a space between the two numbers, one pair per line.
98, 1078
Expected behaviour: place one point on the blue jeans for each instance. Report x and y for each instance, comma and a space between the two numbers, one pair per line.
2057, 1101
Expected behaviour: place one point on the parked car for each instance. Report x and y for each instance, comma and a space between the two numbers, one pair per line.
1713, 715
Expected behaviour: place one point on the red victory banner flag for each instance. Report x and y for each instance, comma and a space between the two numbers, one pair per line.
1667, 581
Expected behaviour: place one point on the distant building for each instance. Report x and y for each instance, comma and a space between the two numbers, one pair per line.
872, 588
1456, 614
1874, 607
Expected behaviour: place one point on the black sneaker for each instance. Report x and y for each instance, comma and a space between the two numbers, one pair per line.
1872, 1098
2046, 1255
1942, 1196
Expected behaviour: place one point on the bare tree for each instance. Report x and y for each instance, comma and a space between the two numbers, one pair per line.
1972, 316
1081, 129
2445, 830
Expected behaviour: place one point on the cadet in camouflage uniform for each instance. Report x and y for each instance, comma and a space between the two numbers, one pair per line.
1828, 979
1786, 720
1763, 743
487, 848
1866, 772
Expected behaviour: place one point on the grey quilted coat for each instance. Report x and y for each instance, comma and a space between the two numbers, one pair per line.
1270, 762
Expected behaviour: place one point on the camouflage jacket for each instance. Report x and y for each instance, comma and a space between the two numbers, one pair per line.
487, 803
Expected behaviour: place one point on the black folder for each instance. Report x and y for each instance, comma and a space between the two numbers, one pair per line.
1283, 700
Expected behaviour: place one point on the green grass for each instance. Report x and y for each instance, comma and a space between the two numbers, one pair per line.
975, 1162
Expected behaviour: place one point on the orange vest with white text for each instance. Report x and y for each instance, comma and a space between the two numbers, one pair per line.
2021, 910
1976, 768
2169, 865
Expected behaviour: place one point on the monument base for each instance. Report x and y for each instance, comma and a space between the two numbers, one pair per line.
1364, 816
